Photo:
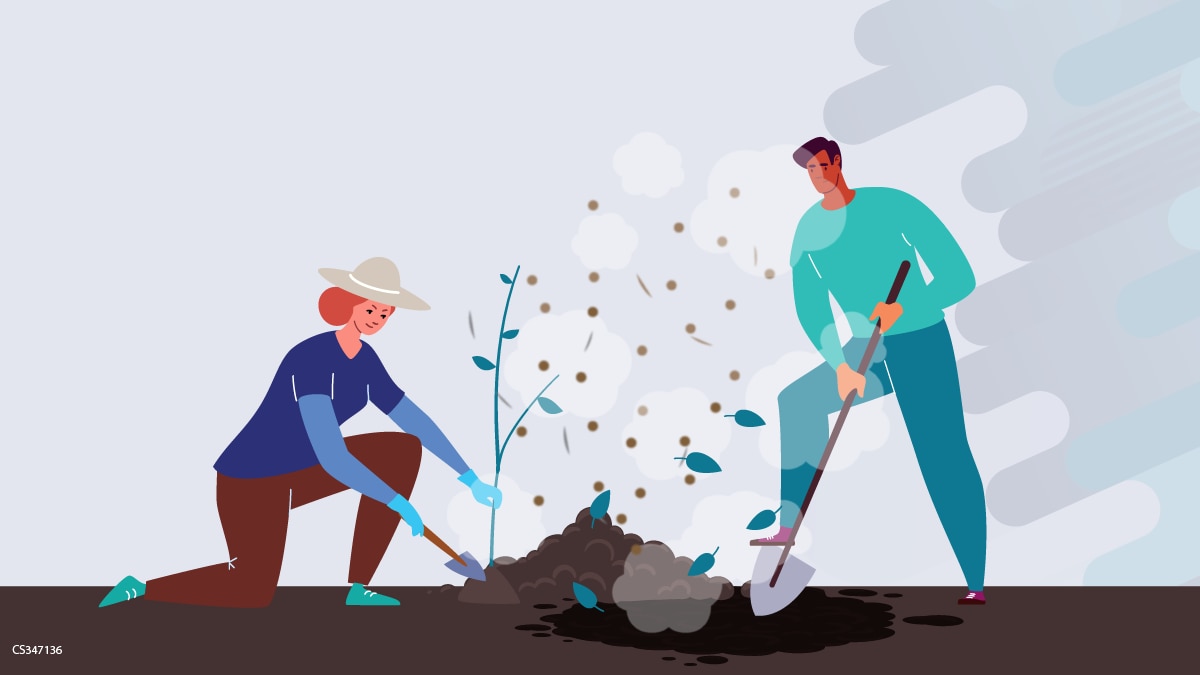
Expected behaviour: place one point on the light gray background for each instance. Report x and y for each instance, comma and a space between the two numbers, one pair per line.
172, 175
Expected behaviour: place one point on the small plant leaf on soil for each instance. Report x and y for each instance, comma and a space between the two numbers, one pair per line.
509, 334
747, 418
506, 279
548, 405
600, 506
701, 463
762, 520
704, 563
483, 363
585, 596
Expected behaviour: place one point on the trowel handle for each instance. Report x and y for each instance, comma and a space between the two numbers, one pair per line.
900, 275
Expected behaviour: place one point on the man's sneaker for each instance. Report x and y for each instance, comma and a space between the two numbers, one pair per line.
128, 589
361, 597
781, 538
973, 598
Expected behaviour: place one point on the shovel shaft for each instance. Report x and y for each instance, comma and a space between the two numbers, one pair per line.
437, 541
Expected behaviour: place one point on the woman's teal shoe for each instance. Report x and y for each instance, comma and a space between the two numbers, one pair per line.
128, 589
361, 597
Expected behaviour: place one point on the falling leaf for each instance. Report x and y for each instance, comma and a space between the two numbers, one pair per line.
600, 506
548, 405
747, 418
701, 463
585, 596
701, 341
565, 443
471, 324
589, 342
505, 278
509, 334
704, 563
483, 363
762, 520
643, 285
503, 401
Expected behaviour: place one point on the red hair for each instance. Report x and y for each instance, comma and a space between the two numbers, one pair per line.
337, 305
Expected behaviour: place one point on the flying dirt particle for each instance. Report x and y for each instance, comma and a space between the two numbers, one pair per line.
934, 620
593, 205
721, 241
471, 324
631, 442
538, 500
581, 376
734, 375
689, 479
671, 285
592, 311
545, 307
685, 441
679, 227
729, 304
532, 279
543, 365
715, 407
770, 273
643, 285
642, 410
593, 425
521, 431
707, 344
641, 350
594, 277
690, 328
598, 486
639, 493
635, 549
620, 518
734, 192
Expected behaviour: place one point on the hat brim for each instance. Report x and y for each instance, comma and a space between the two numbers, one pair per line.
402, 298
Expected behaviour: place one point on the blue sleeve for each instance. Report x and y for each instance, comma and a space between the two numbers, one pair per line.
321, 424
413, 420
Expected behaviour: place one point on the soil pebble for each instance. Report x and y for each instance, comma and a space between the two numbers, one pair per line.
713, 659
857, 592
532, 626
811, 623
541, 635
893, 595
545, 605
933, 620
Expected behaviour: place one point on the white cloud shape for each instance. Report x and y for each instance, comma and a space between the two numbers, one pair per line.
570, 344
669, 417
866, 428
754, 201
519, 527
648, 166
720, 521
605, 242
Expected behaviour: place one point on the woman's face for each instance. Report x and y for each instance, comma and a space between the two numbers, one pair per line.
370, 316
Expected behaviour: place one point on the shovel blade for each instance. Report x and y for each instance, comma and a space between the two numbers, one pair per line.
793, 579
472, 569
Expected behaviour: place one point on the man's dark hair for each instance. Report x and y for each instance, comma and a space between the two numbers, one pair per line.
815, 146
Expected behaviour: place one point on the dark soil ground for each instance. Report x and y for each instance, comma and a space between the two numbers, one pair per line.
866, 630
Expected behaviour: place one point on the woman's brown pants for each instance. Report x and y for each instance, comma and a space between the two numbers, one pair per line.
254, 515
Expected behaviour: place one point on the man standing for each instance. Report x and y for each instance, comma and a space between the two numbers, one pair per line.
849, 245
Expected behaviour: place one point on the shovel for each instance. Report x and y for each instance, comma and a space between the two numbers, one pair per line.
464, 564
779, 579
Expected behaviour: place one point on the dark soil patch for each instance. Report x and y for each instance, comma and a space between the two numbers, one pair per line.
858, 592
811, 623
933, 620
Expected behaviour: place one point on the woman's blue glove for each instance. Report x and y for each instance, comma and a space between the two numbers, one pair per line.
409, 514
484, 494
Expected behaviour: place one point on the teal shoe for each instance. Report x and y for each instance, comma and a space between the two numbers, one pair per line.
128, 589
361, 597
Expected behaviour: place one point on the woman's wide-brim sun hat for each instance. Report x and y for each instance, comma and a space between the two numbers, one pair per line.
375, 279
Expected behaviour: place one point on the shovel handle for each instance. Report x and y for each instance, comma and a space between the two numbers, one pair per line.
900, 276
437, 541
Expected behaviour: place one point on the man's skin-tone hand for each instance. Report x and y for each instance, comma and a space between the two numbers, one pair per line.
887, 315
848, 378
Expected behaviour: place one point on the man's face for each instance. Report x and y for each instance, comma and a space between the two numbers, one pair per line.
824, 171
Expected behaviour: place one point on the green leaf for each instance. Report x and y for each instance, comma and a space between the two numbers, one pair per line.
599, 507
747, 418
509, 334
704, 563
762, 520
548, 405
506, 279
585, 596
701, 463
483, 363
